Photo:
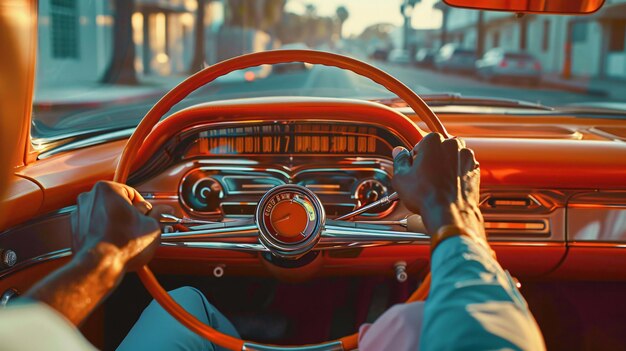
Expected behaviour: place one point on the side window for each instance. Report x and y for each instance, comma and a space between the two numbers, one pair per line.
64, 18
579, 32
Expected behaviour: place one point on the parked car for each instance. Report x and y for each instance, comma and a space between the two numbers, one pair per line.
499, 64
425, 57
292, 66
399, 56
380, 54
452, 58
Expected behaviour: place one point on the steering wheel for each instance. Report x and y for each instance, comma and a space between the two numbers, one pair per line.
206, 76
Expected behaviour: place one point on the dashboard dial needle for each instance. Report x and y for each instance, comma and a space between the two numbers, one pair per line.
282, 219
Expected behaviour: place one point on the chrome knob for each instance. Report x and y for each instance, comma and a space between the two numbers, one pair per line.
9, 258
401, 273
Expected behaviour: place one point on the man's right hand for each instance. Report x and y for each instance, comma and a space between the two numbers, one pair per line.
440, 179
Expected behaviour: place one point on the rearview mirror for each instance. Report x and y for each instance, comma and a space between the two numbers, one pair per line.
563, 7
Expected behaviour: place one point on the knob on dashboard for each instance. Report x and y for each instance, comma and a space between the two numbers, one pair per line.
8, 258
200, 193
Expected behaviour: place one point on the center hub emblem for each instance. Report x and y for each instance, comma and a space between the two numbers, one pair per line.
290, 219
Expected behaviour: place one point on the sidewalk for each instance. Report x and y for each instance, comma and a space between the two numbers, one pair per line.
93, 95
609, 88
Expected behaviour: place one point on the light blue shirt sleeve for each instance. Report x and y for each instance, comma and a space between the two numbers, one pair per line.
474, 304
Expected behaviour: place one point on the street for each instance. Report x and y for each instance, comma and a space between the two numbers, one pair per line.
317, 81
333, 82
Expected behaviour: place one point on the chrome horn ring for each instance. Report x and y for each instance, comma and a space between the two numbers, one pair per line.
290, 219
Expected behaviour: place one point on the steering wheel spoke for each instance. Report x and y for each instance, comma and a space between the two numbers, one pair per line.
343, 235
244, 236
237, 235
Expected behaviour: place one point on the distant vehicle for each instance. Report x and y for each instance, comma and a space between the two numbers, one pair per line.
452, 58
399, 56
498, 64
379, 54
292, 66
425, 57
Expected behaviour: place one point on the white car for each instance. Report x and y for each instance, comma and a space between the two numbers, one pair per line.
500, 64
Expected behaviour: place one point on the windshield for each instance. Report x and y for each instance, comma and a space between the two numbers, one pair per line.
103, 63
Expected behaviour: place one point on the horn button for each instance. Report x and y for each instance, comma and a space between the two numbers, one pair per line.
290, 219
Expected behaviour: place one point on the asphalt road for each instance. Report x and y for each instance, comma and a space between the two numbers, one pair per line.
332, 82
316, 81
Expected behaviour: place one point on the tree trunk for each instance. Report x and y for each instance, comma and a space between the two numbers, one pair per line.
480, 34
523, 32
121, 70
197, 63
444, 26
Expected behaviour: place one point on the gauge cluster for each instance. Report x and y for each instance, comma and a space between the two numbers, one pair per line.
233, 191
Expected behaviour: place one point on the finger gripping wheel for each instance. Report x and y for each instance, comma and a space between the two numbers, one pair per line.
206, 76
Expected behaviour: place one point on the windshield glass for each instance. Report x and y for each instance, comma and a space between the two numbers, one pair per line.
103, 63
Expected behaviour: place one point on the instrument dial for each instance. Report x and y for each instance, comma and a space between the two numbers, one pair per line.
201, 194
368, 191
290, 219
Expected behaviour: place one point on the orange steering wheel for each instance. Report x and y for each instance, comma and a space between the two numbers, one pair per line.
208, 75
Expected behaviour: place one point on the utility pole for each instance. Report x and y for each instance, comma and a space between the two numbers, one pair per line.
407, 10
444, 21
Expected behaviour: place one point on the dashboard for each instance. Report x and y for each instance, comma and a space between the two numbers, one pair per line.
222, 172
540, 193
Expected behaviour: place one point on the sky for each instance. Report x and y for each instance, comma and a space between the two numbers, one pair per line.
364, 13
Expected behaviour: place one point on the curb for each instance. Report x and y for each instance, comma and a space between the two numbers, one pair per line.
574, 88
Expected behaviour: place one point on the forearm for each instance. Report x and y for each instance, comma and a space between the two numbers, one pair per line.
474, 304
77, 288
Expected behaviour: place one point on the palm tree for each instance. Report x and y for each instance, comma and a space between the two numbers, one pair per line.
342, 15
197, 63
121, 70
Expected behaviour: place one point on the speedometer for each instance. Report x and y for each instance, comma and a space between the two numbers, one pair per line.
290, 219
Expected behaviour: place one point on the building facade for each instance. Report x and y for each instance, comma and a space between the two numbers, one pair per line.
587, 46
75, 43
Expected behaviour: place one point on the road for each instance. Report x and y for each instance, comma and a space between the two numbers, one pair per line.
317, 81
328, 81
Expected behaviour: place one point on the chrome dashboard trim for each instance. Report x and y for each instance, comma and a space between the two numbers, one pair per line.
527, 243
218, 246
80, 143
282, 174
56, 245
39, 259
590, 244
159, 196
